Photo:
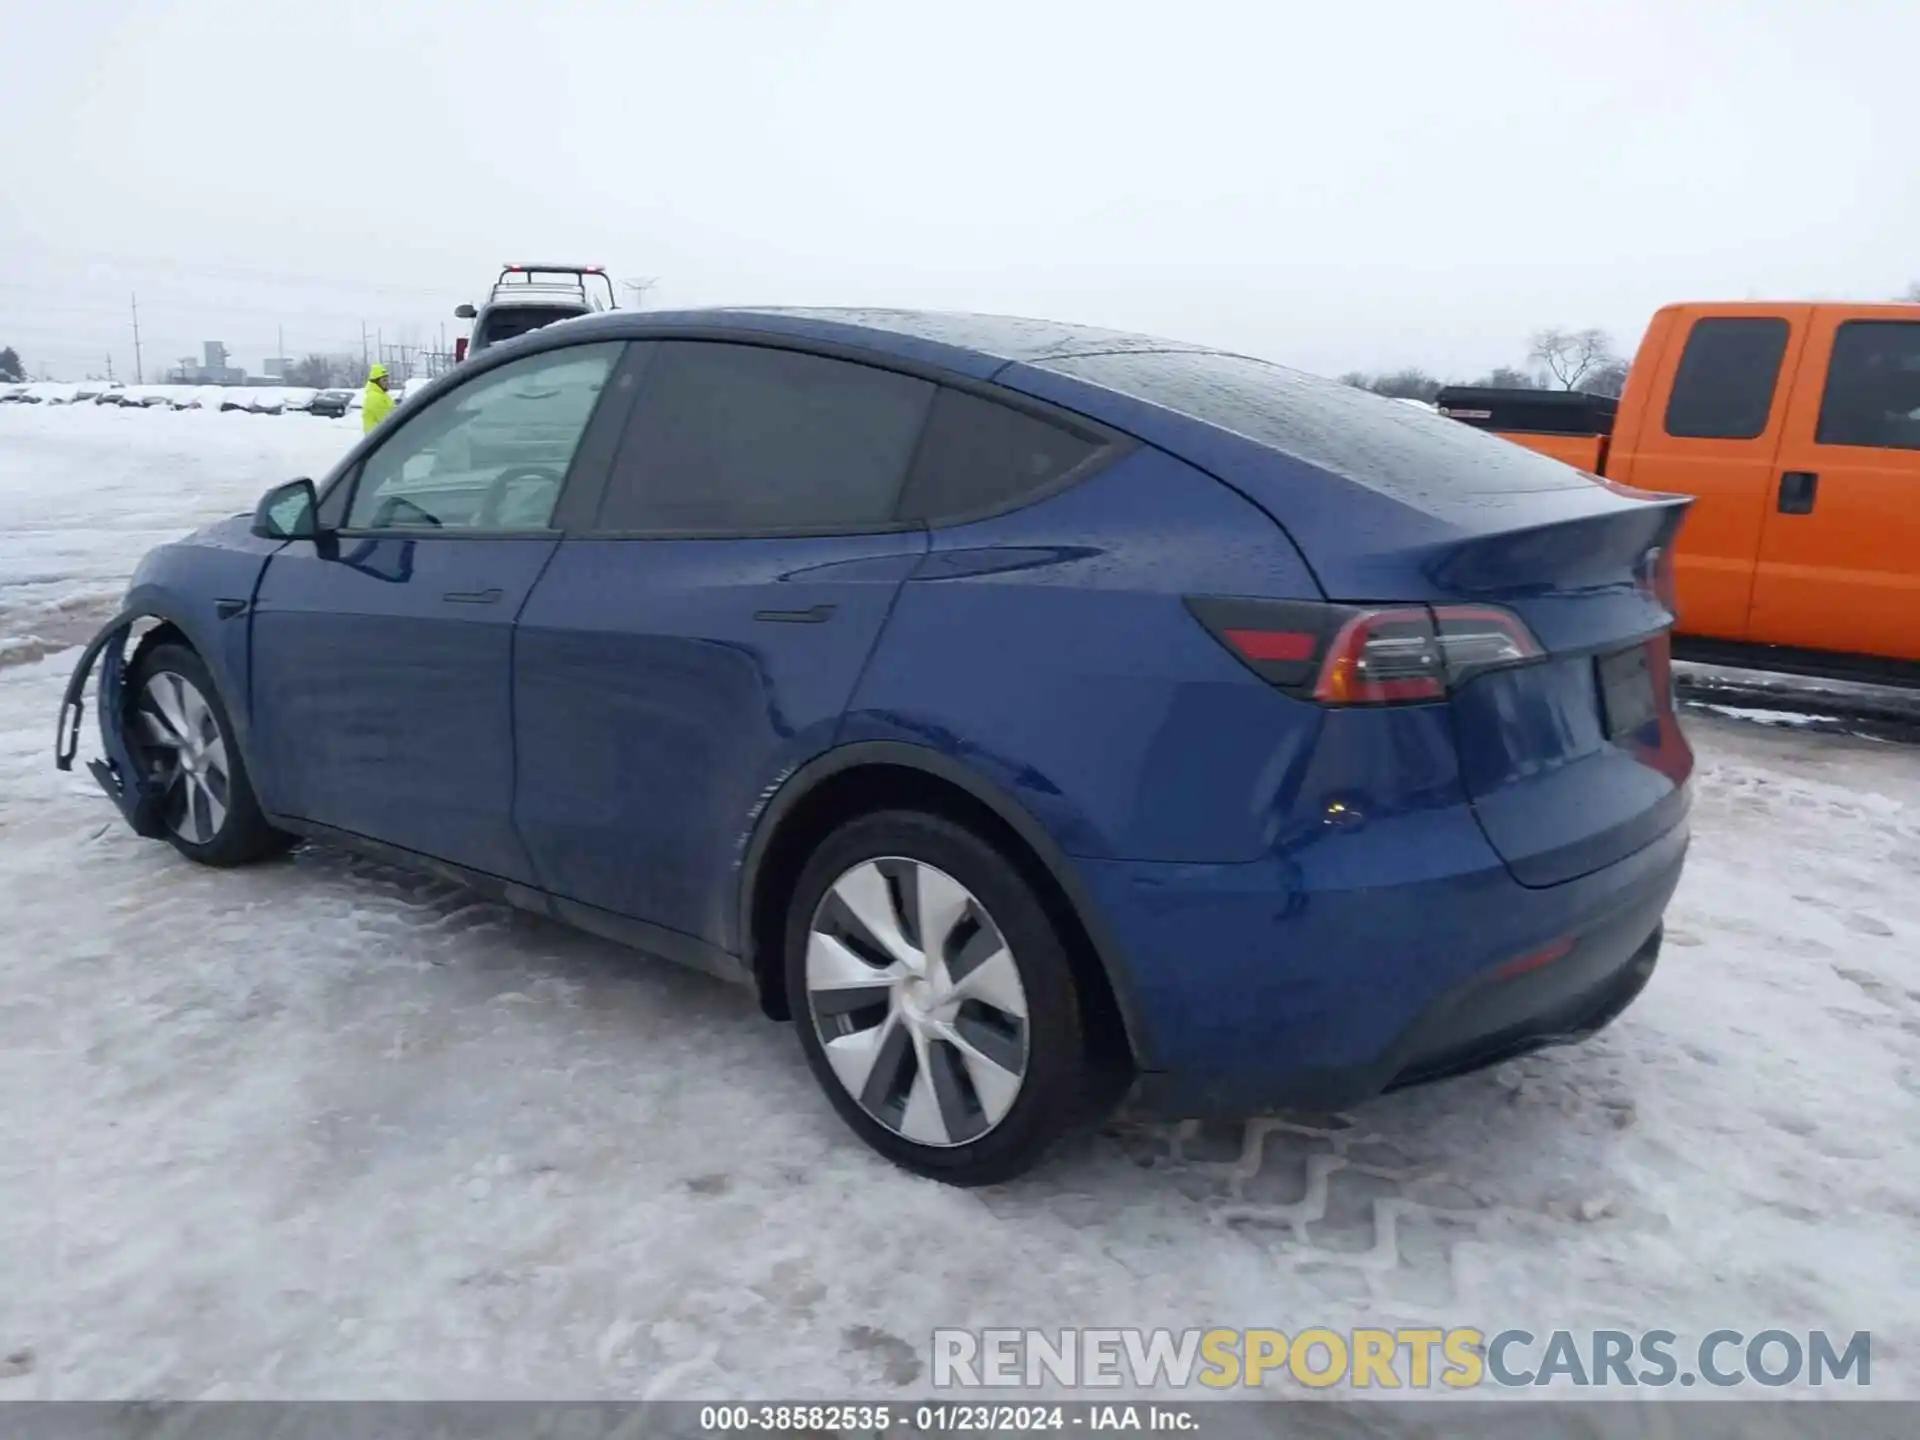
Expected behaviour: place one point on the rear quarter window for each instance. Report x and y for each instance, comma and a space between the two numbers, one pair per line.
1407, 454
1873, 386
1723, 388
977, 457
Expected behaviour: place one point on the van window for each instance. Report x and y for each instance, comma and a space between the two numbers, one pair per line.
1873, 386
1724, 387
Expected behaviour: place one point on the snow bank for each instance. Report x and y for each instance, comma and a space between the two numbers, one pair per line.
86, 490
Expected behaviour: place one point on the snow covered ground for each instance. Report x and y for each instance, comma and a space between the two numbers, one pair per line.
320, 1128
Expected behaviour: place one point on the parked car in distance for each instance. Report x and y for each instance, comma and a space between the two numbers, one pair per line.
1025, 711
330, 403
1796, 428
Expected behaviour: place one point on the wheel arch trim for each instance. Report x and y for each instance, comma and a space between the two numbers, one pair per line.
869, 754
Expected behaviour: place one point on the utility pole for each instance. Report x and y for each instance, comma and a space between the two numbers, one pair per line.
109, 367
139, 374
363, 348
638, 289
280, 348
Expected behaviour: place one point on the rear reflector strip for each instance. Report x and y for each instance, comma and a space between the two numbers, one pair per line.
1538, 960
1273, 644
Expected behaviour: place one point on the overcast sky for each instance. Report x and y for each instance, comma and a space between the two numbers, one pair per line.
1337, 185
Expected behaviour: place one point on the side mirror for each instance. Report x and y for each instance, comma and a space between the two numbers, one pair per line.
288, 512
463, 312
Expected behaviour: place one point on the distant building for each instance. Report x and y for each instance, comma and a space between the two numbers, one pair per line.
213, 368
275, 367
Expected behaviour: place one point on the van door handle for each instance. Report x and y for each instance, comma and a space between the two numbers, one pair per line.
1797, 490
472, 597
812, 615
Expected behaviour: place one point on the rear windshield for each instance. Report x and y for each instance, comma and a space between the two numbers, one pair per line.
1406, 453
510, 321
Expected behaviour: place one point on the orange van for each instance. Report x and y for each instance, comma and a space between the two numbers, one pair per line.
1796, 427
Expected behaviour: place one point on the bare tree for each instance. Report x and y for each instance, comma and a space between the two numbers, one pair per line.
1608, 378
323, 372
1505, 377
1411, 383
1570, 355
1911, 295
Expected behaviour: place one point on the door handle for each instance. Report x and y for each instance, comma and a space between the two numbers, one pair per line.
1797, 491
812, 615
472, 597
229, 609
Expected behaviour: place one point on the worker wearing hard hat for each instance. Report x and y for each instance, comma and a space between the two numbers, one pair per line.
378, 404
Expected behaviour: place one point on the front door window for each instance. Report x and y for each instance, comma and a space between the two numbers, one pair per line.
490, 457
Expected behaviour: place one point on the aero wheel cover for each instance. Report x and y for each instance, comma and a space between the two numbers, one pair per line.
917, 1001
188, 754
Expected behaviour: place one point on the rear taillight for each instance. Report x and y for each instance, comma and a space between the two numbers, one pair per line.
1366, 655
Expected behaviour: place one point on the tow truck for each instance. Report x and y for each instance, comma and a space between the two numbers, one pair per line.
525, 297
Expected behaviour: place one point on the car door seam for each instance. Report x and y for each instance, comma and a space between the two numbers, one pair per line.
513, 716
879, 633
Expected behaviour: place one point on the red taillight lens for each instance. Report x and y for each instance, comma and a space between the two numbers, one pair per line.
460, 349
1365, 655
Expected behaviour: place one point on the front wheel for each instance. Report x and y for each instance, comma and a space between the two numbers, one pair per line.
181, 734
934, 999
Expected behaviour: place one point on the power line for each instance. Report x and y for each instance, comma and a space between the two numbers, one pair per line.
246, 272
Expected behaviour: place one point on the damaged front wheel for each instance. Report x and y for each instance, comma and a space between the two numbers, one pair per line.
183, 740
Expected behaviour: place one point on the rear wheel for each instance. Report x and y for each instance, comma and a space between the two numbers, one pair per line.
182, 735
934, 1000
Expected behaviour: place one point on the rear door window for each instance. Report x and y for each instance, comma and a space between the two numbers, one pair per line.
979, 457
1873, 386
1723, 389
739, 439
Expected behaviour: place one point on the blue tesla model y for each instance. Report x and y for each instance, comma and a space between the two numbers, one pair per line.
1028, 712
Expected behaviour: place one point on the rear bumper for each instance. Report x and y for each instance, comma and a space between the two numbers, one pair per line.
1254, 993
